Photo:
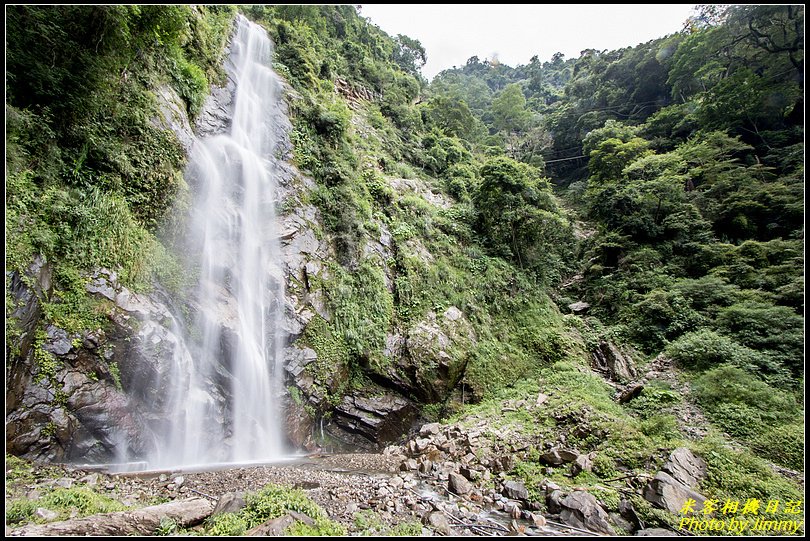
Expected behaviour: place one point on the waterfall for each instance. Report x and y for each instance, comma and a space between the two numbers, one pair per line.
225, 381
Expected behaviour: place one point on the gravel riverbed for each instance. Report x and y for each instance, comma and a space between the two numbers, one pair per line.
343, 485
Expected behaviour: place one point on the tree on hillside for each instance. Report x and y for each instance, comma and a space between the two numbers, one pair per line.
510, 115
519, 217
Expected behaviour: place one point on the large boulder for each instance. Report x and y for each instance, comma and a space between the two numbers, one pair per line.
371, 417
582, 510
558, 456
665, 492
458, 484
515, 490
686, 467
429, 359
616, 364
674, 484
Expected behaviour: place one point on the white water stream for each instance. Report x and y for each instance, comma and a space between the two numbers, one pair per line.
225, 383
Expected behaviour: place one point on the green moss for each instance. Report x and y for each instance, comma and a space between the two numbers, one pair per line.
759, 414
70, 307
45, 360
784, 444
295, 394
87, 501
362, 308
652, 517
604, 466
191, 84
115, 372
432, 412
406, 529
608, 496
49, 430
330, 348
664, 427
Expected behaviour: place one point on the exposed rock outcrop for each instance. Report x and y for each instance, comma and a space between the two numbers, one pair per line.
429, 359
173, 116
665, 492
685, 467
581, 510
674, 484
616, 364
579, 307
372, 417
101, 394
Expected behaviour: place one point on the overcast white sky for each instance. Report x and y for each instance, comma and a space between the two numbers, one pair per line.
452, 33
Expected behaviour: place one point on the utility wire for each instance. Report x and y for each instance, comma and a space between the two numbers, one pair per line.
565, 159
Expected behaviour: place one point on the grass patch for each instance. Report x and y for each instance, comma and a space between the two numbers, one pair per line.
274, 501
83, 501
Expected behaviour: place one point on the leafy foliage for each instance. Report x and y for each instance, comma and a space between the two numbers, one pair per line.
91, 176
274, 501
680, 154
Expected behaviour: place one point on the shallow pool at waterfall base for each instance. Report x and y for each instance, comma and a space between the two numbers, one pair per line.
142, 467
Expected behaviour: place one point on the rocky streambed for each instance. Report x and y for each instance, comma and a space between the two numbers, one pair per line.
343, 485
447, 479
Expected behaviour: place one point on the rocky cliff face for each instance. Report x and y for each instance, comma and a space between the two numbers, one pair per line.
68, 394
97, 395
422, 362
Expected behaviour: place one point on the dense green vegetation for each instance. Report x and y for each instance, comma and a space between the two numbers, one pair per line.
493, 265
274, 501
687, 168
90, 177
691, 176
79, 500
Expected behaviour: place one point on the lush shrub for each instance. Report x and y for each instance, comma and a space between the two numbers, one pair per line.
728, 384
738, 475
783, 444
704, 349
191, 84
81, 500
750, 409
656, 398
362, 308
767, 327
274, 501
659, 316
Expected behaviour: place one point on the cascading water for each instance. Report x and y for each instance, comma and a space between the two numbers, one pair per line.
224, 384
